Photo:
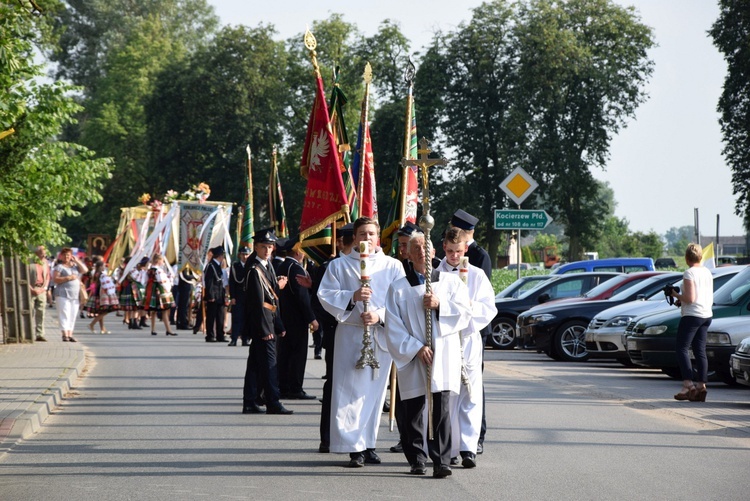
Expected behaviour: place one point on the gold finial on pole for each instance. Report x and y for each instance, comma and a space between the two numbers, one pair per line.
311, 44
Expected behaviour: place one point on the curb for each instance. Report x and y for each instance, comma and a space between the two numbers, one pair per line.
21, 424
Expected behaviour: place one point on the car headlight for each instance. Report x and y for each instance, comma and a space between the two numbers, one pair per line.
619, 322
718, 338
744, 346
655, 330
542, 317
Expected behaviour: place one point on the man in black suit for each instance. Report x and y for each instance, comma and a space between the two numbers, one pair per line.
263, 326
481, 259
215, 296
237, 274
297, 316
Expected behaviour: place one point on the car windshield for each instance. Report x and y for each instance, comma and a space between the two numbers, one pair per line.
540, 285
605, 286
734, 290
521, 285
644, 285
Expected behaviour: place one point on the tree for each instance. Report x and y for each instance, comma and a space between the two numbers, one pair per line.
582, 68
205, 109
41, 177
115, 50
679, 238
730, 34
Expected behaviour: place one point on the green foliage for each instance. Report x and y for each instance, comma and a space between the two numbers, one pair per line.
679, 238
730, 34
42, 179
503, 278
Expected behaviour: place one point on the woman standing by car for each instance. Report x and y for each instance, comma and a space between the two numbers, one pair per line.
67, 290
696, 303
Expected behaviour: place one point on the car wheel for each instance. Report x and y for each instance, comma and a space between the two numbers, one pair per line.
570, 342
503, 334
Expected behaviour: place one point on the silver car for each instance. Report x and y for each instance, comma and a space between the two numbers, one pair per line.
606, 331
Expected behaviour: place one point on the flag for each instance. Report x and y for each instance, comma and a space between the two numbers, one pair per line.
336, 105
708, 259
325, 198
404, 196
246, 238
363, 168
276, 201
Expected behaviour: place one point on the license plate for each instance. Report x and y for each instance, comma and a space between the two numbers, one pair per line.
631, 345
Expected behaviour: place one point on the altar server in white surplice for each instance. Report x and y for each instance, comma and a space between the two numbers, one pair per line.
466, 408
358, 395
405, 330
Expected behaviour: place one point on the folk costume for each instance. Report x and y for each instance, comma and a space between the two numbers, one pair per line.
466, 409
357, 394
158, 295
405, 334
103, 297
131, 297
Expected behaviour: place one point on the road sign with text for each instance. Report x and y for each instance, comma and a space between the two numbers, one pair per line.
521, 219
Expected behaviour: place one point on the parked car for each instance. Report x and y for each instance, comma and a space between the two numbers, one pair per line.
651, 339
740, 362
521, 285
724, 335
619, 264
605, 333
503, 327
557, 328
665, 262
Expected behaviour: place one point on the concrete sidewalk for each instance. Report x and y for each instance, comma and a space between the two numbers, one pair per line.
34, 379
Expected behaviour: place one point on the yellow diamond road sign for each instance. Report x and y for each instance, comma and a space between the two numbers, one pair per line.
518, 185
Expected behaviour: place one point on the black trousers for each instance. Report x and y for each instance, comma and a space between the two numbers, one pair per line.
261, 373
293, 359
439, 448
183, 304
215, 319
325, 411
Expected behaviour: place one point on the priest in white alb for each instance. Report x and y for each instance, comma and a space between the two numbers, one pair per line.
358, 395
450, 311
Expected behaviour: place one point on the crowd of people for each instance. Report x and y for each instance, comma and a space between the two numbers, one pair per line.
425, 319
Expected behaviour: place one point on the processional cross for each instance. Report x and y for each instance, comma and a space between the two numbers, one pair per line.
426, 222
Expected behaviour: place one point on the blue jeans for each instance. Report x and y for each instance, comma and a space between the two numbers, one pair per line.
691, 332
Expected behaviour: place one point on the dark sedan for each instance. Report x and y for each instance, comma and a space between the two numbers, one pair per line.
558, 329
557, 287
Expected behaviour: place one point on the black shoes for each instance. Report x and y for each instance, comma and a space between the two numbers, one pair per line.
397, 448
245, 343
171, 333
299, 395
371, 457
469, 459
279, 410
356, 459
454, 461
210, 339
324, 448
442, 471
232, 343
252, 409
418, 468
153, 333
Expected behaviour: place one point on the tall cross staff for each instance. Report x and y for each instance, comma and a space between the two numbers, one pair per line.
426, 222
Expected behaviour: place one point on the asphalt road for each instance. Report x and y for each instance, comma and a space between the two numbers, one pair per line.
158, 418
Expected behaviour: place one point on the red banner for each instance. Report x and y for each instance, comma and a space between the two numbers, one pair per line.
325, 197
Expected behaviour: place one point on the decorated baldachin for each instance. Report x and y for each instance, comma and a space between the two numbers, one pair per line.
182, 227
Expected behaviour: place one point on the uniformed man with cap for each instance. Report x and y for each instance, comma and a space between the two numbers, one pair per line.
214, 296
481, 259
263, 326
297, 316
237, 274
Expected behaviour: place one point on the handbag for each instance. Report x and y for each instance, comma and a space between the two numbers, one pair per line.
83, 295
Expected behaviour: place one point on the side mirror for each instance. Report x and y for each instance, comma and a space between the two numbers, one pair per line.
544, 298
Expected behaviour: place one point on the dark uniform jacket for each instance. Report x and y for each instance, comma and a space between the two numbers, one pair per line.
261, 300
213, 284
237, 276
296, 306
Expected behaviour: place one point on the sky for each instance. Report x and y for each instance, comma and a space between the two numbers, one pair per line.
666, 163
